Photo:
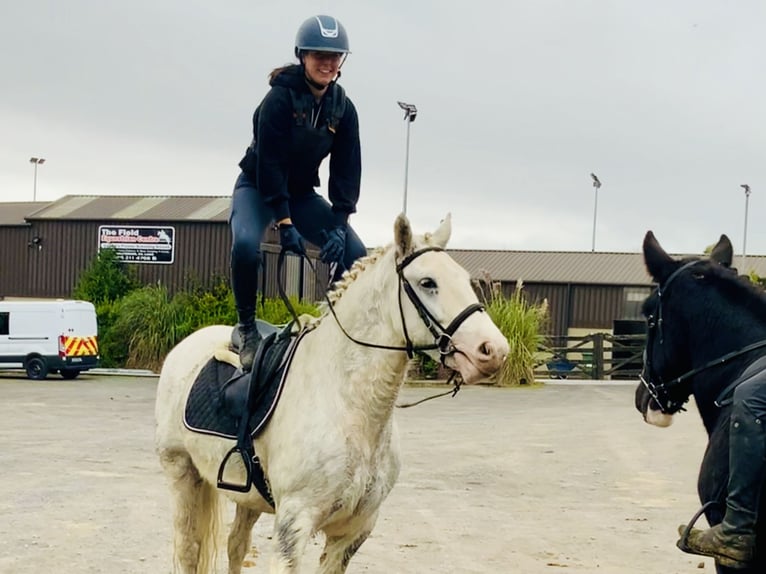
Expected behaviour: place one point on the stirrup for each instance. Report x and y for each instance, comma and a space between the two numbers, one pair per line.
683, 542
221, 483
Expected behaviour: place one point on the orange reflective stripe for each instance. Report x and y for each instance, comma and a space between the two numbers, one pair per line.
80, 346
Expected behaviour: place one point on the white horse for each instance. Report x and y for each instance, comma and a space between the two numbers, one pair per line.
330, 450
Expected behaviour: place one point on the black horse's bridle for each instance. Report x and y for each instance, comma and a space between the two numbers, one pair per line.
442, 335
665, 393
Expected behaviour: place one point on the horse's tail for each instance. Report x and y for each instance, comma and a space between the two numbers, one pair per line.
203, 518
210, 518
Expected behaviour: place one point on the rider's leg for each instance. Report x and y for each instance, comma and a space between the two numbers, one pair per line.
249, 219
312, 214
732, 542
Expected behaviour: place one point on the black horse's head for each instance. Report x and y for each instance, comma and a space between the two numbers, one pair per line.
673, 312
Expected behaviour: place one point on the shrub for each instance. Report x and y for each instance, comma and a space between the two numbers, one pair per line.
112, 348
106, 279
523, 324
149, 323
275, 311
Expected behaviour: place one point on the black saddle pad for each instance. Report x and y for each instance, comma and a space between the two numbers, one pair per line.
208, 412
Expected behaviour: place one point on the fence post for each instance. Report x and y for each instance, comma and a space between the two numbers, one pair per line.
598, 356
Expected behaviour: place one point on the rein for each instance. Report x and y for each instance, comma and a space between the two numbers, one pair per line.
453, 391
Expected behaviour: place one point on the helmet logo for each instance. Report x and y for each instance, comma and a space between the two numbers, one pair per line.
328, 32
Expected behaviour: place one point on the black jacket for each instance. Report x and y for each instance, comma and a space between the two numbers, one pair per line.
283, 159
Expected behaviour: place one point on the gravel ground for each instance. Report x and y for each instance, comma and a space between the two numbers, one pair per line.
546, 479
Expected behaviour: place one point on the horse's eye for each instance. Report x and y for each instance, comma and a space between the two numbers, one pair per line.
698, 276
428, 284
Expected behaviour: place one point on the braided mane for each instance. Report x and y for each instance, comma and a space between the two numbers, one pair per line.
341, 285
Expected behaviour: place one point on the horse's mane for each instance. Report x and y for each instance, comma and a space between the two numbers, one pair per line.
740, 288
359, 266
342, 284
732, 285
737, 289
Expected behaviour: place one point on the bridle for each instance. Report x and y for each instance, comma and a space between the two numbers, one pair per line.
659, 390
442, 335
663, 392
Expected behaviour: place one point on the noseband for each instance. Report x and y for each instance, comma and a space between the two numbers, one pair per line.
661, 391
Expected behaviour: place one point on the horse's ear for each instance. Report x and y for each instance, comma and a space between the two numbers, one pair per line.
723, 252
402, 236
658, 263
442, 234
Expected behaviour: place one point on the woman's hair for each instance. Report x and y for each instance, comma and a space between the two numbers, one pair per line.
276, 71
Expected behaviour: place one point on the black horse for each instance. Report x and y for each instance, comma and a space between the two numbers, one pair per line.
706, 326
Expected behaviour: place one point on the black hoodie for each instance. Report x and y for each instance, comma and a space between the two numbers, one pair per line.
283, 159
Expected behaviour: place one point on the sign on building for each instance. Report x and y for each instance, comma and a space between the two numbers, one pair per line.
138, 243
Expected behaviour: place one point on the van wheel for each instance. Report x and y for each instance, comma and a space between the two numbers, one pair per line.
69, 374
36, 368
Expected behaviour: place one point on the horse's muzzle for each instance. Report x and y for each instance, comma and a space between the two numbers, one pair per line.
480, 361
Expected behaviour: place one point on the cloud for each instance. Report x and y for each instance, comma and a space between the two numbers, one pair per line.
518, 104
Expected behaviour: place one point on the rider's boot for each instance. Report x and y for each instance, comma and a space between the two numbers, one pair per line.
249, 338
732, 542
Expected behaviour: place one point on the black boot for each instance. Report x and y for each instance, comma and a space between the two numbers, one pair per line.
732, 543
249, 339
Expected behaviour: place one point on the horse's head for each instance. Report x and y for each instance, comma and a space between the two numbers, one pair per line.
439, 306
683, 290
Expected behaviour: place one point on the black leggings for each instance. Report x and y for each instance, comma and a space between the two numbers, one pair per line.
251, 216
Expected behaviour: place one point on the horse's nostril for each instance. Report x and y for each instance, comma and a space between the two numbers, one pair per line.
486, 349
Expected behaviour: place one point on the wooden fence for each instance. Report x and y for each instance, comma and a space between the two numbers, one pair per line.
596, 356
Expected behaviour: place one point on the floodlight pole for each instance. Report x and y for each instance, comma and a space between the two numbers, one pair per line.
596, 187
746, 187
410, 113
36, 161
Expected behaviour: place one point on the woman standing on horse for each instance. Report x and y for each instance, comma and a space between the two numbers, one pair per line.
304, 117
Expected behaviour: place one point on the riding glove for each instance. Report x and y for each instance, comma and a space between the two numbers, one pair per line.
290, 239
334, 246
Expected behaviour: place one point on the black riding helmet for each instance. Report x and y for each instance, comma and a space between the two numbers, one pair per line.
322, 34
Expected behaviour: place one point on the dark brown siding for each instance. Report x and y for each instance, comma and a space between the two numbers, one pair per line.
66, 248
596, 306
574, 306
201, 257
15, 257
557, 297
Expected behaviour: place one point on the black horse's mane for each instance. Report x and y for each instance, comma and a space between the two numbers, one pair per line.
737, 289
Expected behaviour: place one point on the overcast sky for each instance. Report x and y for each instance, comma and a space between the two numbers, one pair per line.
519, 101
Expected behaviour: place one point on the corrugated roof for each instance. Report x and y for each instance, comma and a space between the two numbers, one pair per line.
569, 267
15, 213
145, 208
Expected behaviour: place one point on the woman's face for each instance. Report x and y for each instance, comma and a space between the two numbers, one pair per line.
322, 67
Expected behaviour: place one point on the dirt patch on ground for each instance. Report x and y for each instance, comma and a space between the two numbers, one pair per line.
551, 479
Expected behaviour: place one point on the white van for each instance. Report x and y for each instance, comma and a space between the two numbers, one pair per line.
48, 336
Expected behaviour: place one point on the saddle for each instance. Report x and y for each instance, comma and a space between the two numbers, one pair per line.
226, 402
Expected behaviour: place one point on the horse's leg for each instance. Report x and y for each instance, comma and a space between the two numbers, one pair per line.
293, 526
339, 551
196, 519
240, 537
